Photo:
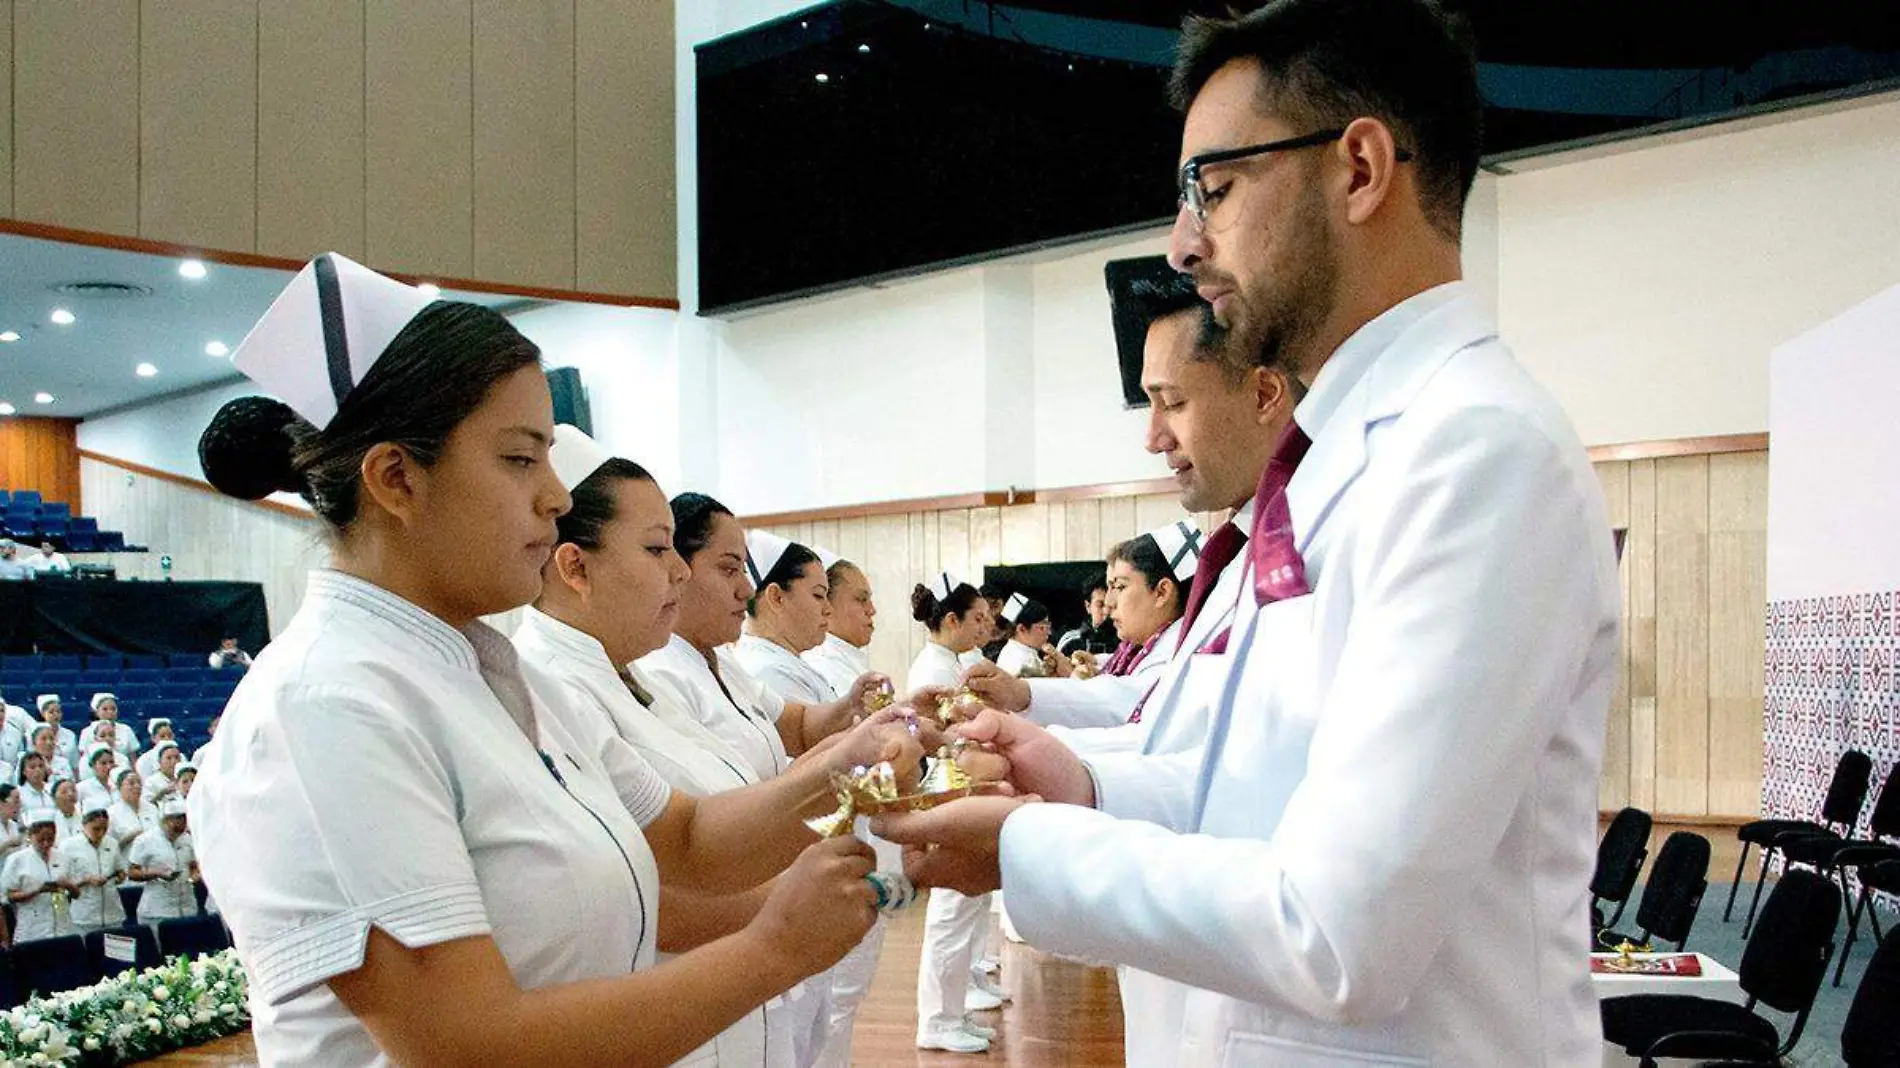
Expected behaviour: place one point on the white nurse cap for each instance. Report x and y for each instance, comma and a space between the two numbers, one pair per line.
763, 551
1013, 608
575, 456
39, 814
943, 585
170, 807
324, 332
100, 699
46, 699
1180, 545
826, 557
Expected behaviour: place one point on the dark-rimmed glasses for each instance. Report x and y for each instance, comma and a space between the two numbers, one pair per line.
1193, 191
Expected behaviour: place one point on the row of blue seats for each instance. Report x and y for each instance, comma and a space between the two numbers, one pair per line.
48, 966
11, 499
102, 661
127, 689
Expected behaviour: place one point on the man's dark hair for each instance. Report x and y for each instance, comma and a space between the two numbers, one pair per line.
1099, 582
1324, 63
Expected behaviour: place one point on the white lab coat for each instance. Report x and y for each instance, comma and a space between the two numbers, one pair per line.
840, 662
1381, 854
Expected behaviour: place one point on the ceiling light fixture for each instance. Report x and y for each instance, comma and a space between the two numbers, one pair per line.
146, 370
821, 78
61, 317
192, 269
8, 337
7, 409
217, 348
864, 50
44, 398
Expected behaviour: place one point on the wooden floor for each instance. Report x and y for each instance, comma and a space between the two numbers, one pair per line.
1063, 1016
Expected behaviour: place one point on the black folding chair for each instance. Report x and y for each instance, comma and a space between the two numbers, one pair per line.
192, 936
1827, 852
1846, 792
129, 894
51, 965
1673, 895
1782, 967
1620, 858
144, 948
1870, 1038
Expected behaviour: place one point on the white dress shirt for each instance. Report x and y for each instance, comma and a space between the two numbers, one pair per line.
94, 907
782, 671
841, 663
733, 705
379, 767
25, 870
1399, 760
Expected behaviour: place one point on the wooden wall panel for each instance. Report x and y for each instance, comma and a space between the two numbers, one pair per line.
197, 105
41, 454
418, 136
1025, 535
1614, 783
1639, 622
310, 157
1738, 596
1682, 635
1082, 531
524, 90
624, 185
76, 113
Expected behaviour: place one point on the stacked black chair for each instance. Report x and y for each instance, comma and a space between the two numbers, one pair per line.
145, 951
1620, 857
192, 936
1830, 853
1673, 895
1846, 793
1782, 967
51, 965
1870, 1038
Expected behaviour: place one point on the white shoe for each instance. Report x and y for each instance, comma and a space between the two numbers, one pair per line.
979, 981
977, 999
990, 965
977, 1029
952, 1040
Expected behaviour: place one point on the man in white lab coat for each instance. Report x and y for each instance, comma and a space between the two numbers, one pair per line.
1380, 855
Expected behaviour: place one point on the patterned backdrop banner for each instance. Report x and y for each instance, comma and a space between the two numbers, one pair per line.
1830, 687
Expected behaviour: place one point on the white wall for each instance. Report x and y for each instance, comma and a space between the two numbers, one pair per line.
163, 435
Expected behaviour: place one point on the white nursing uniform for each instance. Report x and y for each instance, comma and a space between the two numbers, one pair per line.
95, 794
691, 759
170, 895
377, 767
840, 662
128, 823
94, 907
732, 705
782, 671
24, 870
1021, 661
124, 738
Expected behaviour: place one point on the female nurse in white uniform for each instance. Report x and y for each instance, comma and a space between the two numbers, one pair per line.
1027, 623
845, 654
610, 594
955, 927
385, 775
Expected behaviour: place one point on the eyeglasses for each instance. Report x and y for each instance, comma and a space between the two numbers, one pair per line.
1193, 190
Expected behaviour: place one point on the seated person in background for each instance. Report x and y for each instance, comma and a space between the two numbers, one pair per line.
96, 866
12, 835
66, 810
32, 876
163, 780
105, 713
48, 561
54, 716
1023, 654
1095, 634
160, 729
228, 655
162, 859
131, 815
12, 568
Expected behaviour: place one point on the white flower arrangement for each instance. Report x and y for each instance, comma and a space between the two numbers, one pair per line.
130, 1017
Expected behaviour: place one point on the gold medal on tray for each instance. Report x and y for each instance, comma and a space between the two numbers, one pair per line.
954, 708
872, 791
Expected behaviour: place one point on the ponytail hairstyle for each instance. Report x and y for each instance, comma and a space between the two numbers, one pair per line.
926, 608
430, 378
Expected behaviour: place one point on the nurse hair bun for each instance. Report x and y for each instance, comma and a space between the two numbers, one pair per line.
246, 451
923, 604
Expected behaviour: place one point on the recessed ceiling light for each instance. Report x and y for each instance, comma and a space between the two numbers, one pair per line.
192, 269
430, 290
7, 409
9, 336
822, 78
44, 398
864, 50
146, 370
217, 348
61, 317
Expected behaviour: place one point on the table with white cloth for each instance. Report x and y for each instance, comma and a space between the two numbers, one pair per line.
1717, 982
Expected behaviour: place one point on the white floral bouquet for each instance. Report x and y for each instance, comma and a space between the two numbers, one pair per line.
130, 1017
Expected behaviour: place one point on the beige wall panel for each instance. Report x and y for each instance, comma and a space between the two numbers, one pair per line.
887, 546
1614, 784
1682, 635
6, 108
1082, 531
1025, 535
524, 142
198, 122
1738, 594
986, 542
1639, 565
953, 546
932, 560
310, 158
851, 541
417, 137
1118, 520
76, 113
623, 147
824, 535
1156, 510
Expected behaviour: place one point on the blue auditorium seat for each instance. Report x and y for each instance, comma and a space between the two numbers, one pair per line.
81, 542
193, 936
85, 524
144, 676
178, 690
50, 965
59, 681
22, 662
105, 662
146, 951
145, 663
27, 497
62, 662
208, 708
191, 661
139, 691
111, 541
58, 509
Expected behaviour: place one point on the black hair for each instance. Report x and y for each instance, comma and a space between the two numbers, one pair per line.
1033, 612
7, 788
595, 504
1144, 555
1153, 296
693, 515
789, 569
836, 574
925, 608
435, 373
1324, 63
1099, 582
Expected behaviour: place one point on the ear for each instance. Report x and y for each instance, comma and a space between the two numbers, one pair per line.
1371, 157
1165, 588
391, 480
570, 564
1269, 395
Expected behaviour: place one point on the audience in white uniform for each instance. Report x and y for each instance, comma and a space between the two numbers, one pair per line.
105, 722
844, 656
164, 862
132, 814
96, 867
53, 715
36, 883
158, 729
66, 811
1026, 653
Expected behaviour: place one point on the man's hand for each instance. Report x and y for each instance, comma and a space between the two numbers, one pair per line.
1038, 762
997, 688
954, 845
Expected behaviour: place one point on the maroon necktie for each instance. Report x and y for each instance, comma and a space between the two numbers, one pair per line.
1278, 571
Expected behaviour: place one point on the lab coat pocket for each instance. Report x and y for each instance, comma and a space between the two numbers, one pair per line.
1252, 1050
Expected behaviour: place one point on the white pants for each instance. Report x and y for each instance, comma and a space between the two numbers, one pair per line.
850, 982
955, 928
796, 1022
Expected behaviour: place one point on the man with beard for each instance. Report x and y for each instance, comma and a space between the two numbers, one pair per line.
1377, 856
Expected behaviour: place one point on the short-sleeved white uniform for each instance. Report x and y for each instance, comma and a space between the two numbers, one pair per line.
377, 767
840, 662
24, 870
170, 896
782, 671
733, 705
94, 907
